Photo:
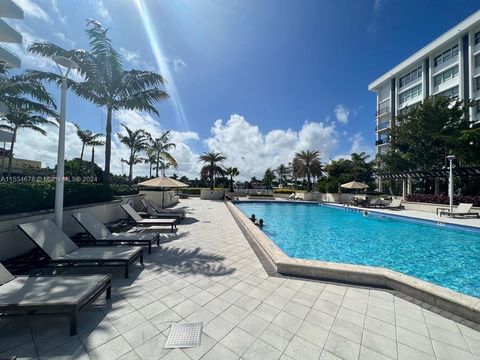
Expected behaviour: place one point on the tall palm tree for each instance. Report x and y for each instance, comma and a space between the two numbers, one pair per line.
269, 177
136, 141
150, 159
23, 118
306, 164
282, 171
85, 137
161, 147
232, 172
27, 100
95, 140
106, 83
211, 166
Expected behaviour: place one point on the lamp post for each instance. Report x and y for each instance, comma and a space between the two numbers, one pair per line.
68, 64
450, 180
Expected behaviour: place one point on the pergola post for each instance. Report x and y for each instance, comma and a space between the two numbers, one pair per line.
437, 186
409, 185
404, 189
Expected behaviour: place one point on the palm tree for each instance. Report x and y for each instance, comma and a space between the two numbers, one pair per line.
306, 164
23, 118
282, 171
211, 168
106, 83
85, 137
232, 172
27, 100
161, 148
95, 140
151, 159
163, 165
136, 141
269, 177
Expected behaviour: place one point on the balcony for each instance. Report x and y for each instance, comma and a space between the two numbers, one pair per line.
10, 59
382, 141
9, 34
8, 9
382, 111
382, 126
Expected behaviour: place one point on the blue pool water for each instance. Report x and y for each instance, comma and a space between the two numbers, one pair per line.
442, 255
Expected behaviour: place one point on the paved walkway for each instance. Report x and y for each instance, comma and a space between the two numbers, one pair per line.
208, 272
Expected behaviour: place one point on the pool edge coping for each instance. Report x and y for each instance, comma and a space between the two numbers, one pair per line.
454, 302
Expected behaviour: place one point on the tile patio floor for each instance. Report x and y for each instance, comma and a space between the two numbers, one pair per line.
208, 272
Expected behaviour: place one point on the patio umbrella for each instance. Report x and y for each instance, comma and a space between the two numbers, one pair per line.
354, 185
163, 182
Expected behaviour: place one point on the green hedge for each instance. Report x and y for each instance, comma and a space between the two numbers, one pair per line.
123, 190
26, 197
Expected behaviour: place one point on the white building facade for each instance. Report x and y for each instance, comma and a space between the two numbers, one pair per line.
449, 65
8, 34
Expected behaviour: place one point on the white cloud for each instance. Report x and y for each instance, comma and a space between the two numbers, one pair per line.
56, 10
358, 146
33, 10
135, 59
102, 10
342, 113
179, 65
247, 148
65, 39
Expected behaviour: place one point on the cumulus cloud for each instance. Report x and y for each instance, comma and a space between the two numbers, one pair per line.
33, 10
247, 148
135, 59
358, 145
179, 65
102, 10
65, 39
342, 113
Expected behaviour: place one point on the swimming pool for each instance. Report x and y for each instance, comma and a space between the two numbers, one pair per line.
442, 255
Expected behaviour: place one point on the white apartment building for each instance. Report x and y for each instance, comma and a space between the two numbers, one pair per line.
10, 10
449, 65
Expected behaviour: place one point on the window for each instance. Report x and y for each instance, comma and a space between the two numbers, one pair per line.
477, 83
452, 92
446, 56
445, 76
411, 93
477, 37
410, 77
477, 61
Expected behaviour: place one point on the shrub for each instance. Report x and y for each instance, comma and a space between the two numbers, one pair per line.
26, 197
283, 191
192, 191
444, 199
123, 190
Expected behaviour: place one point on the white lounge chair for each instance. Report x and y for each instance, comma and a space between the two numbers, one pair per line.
395, 204
51, 295
153, 211
463, 209
102, 235
62, 251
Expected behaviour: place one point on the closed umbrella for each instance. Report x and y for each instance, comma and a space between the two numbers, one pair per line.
163, 182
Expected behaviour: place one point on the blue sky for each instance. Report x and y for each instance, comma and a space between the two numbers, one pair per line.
281, 75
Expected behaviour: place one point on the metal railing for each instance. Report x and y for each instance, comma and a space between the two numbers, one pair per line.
382, 110
382, 126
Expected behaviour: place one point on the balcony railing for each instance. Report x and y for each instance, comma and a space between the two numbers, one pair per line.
382, 110
381, 141
382, 126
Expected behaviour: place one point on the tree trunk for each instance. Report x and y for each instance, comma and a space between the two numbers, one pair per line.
212, 180
309, 184
130, 171
81, 154
231, 183
150, 170
93, 161
108, 145
158, 164
10, 157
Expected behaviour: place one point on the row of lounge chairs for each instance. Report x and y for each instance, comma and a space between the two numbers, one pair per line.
67, 295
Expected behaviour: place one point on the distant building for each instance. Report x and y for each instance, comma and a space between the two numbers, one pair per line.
19, 166
449, 65
8, 9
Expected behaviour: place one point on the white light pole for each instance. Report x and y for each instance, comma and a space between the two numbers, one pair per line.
450, 180
59, 181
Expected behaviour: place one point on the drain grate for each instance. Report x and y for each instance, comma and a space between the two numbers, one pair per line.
184, 335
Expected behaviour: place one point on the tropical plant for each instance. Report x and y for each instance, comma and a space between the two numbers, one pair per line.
232, 172
106, 83
269, 178
160, 149
307, 165
95, 140
27, 101
136, 141
212, 168
282, 171
85, 136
